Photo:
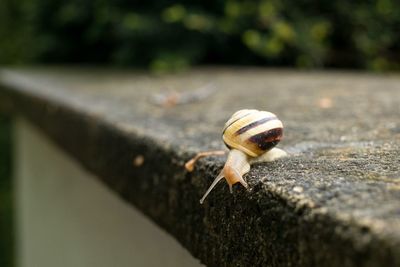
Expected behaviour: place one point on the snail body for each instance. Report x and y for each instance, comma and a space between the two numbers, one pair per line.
251, 136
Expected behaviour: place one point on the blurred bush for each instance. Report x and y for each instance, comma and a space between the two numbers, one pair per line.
172, 35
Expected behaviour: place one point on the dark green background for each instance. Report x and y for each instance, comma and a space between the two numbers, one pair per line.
168, 35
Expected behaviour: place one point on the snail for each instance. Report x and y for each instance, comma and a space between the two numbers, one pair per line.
251, 136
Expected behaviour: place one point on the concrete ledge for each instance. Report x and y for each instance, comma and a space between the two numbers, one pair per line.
334, 202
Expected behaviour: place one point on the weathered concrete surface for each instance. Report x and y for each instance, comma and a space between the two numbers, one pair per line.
334, 202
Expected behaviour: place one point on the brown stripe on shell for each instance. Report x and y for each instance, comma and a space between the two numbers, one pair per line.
268, 139
245, 115
228, 146
254, 124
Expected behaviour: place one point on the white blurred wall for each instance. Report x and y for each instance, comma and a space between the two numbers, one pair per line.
67, 218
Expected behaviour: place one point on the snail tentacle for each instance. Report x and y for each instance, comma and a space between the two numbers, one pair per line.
235, 167
189, 165
214, 183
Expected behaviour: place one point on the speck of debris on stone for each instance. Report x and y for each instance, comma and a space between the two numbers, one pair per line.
171, 99
138, 161
298, 189
325, 102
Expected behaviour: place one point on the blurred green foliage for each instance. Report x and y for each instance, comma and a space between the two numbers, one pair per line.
172, 35
6, 226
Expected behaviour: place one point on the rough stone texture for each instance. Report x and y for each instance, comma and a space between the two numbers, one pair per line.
334, 202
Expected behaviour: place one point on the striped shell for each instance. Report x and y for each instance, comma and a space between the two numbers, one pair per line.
252, 131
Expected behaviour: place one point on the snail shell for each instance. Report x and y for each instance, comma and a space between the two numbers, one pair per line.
252, 131
251, 136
